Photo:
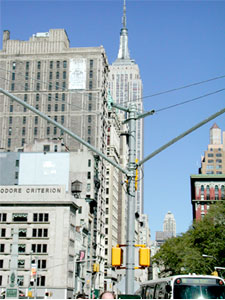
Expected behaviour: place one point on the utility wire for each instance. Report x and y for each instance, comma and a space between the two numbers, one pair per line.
190, 100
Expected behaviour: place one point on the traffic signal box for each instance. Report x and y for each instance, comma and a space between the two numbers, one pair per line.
117, 256
144, 257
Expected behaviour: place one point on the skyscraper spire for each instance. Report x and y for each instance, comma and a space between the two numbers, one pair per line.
123, 49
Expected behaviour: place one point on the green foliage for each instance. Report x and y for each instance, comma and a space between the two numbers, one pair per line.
183, 254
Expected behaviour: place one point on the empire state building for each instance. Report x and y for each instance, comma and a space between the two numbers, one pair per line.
125, 86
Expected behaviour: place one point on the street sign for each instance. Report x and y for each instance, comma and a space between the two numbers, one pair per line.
11, 293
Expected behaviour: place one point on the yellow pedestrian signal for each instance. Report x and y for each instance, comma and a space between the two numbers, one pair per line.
117, 256
144, 257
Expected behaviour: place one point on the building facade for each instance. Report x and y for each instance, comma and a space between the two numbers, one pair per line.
46, 193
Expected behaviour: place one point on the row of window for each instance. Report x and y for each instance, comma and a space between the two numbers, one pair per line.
41, 264
217, 154
36, 232
36, 248
52, 63
56, 107
211, 161
50, 86
23, 217
24, 120
20, 280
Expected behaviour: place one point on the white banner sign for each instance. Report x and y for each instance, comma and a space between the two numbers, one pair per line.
77, 74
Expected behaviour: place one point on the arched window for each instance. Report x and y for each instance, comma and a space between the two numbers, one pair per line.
216, 192
202, 192
222, 192
207, 193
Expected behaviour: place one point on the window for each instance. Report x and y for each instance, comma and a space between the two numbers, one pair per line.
210, 161
64, 74
26, 86
22, 232
50, 86
11, 108
91, 63
50, 75
64, 85
89, 107
42, 263
64, 64
3, 217
89, 162
1, 263
35, 130
62, 119
90, 85
14, 65
89, 119
90, 96
40, 232
37, 106
19, 217
56, 107
36, 120
49, 107
89, 129
10, 120
20, 280
9, 142
10, 131
57, 85
3, 232
26, 75
57, 75
16, 175
22, 142
41, 281
27, 65
63, 107
2, 248
40, 217
21, 248
13, 76
24, 120
91, 74
210, 154
216, 192
218, 154
38, 75
58, 64
48, 130
56, 97
63, 97
39, 248
17, 163
37, 97
49, 97
88, 175
219, 161
51, 64
39, 65
46, 148
21, 264
38, 86
23, 130
55, 130
12, 86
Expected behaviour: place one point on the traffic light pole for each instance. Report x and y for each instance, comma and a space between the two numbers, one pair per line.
133, 115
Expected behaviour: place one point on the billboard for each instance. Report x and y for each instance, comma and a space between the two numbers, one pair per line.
44, 169
77, 74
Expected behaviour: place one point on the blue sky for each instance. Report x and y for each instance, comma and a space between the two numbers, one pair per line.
175, 43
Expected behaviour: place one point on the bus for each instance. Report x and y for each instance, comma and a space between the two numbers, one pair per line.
183, 287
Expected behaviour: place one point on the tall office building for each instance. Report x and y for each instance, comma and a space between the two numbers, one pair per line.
169, 224
70, 86
213, 162
126, 87
67, 84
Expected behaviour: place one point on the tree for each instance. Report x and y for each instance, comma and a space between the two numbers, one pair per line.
183, 254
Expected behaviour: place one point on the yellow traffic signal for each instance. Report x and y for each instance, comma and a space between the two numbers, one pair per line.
144, 257
215, 273
95, 267
117, 256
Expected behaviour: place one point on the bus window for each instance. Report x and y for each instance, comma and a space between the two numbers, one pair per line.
149, 292
160, 291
